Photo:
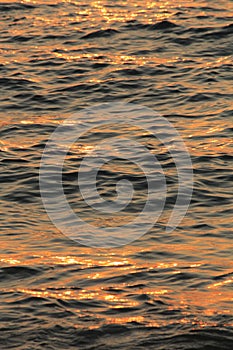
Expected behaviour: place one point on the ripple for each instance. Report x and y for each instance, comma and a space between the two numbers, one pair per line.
164, 291
100, 33
15, 7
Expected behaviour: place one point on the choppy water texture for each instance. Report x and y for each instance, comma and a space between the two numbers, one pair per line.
166, 290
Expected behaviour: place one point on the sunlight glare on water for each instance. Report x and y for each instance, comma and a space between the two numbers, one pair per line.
165, 290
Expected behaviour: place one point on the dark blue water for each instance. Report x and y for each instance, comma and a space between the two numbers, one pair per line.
165, 290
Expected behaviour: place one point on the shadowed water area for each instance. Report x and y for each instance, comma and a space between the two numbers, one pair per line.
165, 290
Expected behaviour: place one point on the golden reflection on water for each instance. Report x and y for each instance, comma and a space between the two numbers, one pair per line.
123, 11
215, 297
186, 302
101, 11
117, 296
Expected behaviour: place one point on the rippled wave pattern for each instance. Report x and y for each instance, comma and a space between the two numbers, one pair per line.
166, 290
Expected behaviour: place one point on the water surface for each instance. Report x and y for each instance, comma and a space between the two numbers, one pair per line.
164, 291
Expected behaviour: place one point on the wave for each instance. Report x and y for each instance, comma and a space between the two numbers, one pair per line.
100, 33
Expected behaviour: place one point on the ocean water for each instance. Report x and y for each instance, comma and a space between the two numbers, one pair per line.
165, 290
